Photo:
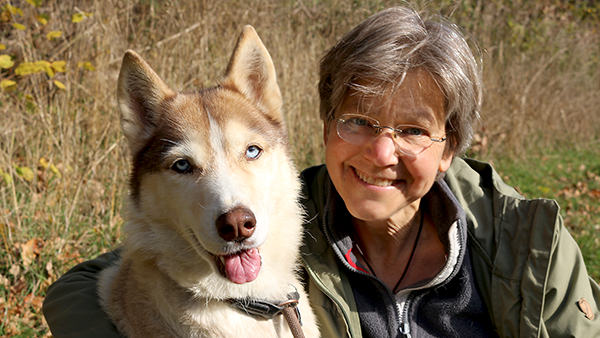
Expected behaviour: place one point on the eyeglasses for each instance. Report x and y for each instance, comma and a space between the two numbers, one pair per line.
360, 129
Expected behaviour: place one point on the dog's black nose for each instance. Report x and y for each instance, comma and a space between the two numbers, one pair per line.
237, 224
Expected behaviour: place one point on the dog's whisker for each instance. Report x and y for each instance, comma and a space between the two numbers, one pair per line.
194, 244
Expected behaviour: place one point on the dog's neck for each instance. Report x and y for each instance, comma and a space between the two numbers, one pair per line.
265, 308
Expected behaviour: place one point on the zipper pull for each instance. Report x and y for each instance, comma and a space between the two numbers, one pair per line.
405, 330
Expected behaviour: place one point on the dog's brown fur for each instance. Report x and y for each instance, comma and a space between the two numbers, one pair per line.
170, 281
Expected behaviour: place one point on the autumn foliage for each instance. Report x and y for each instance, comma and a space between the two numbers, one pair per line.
64, 164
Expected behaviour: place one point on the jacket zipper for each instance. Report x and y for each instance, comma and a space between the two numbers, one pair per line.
404, 324
404, 327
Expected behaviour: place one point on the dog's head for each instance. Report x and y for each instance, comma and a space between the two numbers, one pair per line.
211, 180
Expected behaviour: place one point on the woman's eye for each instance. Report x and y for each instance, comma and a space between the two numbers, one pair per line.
359, 121
253, 152
182, 166
413, 131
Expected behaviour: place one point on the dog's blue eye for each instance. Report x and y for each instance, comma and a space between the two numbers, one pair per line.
182, 166
253, 152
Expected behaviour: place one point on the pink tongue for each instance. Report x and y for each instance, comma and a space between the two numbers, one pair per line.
243, 266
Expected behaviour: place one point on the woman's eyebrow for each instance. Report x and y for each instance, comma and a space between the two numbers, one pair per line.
419, 116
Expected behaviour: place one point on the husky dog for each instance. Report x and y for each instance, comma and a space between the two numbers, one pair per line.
214, 225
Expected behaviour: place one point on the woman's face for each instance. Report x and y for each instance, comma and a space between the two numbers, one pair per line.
376, 181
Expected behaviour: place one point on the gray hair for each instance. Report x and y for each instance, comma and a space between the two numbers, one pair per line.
384, 47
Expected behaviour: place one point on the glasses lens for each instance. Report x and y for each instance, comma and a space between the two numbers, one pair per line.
412, 140
356, 129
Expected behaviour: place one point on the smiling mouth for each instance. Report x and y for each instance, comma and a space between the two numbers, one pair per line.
373, 181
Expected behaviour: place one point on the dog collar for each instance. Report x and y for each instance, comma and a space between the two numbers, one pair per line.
267, 309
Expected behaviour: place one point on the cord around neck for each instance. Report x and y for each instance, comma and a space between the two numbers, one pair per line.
395, 289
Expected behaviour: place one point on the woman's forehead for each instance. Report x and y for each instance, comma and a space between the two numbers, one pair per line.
417, 98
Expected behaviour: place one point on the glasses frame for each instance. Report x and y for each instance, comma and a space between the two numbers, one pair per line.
340, 121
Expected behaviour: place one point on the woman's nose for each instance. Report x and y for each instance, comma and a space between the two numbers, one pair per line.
382, 150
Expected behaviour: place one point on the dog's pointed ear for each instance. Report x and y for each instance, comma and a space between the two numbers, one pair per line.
140, 93
252, 73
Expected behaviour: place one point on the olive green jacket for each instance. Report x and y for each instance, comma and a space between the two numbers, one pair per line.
529, 270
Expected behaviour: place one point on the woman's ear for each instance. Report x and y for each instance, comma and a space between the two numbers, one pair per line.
325, 132
446, 161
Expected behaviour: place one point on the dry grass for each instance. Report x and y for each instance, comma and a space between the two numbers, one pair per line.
541, 62
541, 72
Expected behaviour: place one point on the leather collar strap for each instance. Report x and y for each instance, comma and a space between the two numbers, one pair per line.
266, 309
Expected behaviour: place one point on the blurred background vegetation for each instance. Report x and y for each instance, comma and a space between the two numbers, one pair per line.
63, 161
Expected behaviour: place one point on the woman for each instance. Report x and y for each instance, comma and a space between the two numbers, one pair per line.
393, 247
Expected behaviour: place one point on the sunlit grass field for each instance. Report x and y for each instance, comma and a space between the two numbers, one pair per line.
63, 160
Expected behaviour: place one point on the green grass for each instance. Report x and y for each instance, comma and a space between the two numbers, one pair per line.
571, 176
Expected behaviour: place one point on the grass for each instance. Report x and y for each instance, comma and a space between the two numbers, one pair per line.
63, 161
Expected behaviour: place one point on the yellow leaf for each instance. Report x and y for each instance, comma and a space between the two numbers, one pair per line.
18, 26
35, 3
47, 66
44, 162
14, 10
54, 35
60, 84
4, 84
2, 47
55, 170
6, 61
77, 17
59, 66
6, 177
25, 172
86, 65
544, 189
26, 68
5, 16
43, 19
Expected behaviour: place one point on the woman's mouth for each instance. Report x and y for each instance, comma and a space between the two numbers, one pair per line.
380, 182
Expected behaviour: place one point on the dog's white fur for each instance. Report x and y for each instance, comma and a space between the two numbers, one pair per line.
168, 282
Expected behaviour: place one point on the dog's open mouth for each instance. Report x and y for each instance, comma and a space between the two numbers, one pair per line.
240, 267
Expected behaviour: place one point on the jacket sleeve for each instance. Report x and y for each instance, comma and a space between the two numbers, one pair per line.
567, 284
72, 307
